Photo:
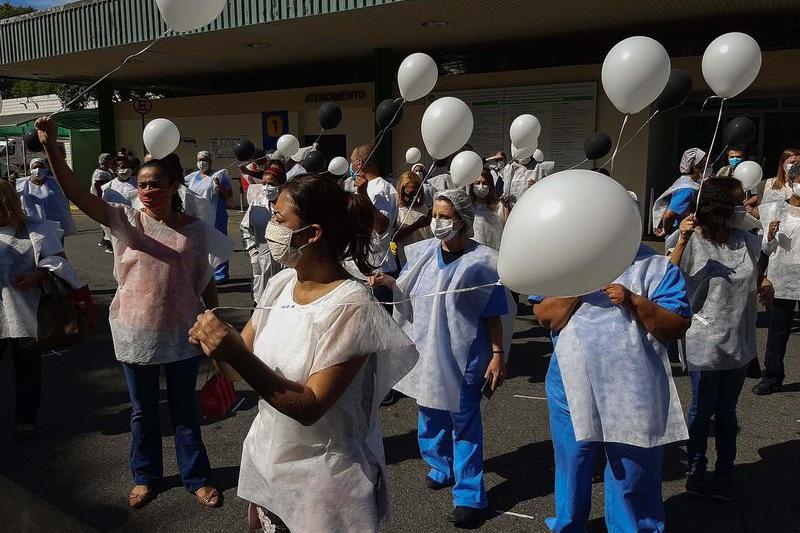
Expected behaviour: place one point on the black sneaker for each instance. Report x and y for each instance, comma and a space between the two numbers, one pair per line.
722, 489
435, 485
391, 398
696, 483
765, 389
468, 517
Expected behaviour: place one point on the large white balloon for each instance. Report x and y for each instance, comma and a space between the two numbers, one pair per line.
465, 168
413, 155
521, 154
538, 155
635, 73
288, 145
525, 130
749, 173
417, 76
731, 63
338, 166
573, 233
161, 137
446, 126
188, 15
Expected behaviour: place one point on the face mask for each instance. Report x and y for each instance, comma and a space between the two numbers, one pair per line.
279, 240
733, 161
38, 174
481, 191
271, 192
796, 189
525, 161
203, 166
408, 199
124, 174
154, 199
707, 174
787, 167
443, 229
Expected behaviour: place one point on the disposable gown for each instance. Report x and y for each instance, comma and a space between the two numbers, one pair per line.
254, 230
488, 225
784, 250
662, 203
771, 195
46, 202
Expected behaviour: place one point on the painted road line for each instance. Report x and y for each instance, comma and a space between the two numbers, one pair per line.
518, 515
529, 397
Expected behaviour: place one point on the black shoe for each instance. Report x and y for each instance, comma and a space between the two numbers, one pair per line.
468, 517
722, 489
435, 485
765, 389
391, 398
754, 369
696, 483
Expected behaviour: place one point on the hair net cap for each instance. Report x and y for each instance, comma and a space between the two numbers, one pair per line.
38, 161
462, 204
203, 154
690, 159
104, 158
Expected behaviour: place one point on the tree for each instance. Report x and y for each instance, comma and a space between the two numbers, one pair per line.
8, 11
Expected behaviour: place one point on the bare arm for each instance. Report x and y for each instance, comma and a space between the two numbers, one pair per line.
93, 206
668, 220
664, 325
554, 313
496, 371
686, 231
304, 402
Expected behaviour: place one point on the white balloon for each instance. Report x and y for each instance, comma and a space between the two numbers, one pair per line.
188, 15
731, 63
465, 168
749, 173
525, 130
417, 76
446, 126
635, 73
161, 137
538, 155
413, 155
338, 166
521, 154
288, 145
552, 244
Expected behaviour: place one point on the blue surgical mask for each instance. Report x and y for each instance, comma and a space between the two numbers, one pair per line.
733, 161
351, 172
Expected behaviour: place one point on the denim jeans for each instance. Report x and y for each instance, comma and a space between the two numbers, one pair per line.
146, 458
714, 393
27, 376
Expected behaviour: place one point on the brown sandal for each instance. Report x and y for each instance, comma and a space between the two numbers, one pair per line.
137, 501
210, 501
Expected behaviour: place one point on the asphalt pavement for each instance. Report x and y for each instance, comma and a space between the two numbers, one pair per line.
74, 475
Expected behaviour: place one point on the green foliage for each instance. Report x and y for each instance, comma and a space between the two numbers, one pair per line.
8, 11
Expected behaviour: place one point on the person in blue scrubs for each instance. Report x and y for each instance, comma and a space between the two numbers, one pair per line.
627, 404
461, 340
678, 202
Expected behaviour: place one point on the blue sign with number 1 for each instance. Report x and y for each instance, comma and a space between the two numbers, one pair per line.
273, 125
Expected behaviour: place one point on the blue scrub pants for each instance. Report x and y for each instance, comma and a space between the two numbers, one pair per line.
221, 223
632, 476
452, 445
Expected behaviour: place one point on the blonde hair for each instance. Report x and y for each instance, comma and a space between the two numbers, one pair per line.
780, 177
406, 179
11, 206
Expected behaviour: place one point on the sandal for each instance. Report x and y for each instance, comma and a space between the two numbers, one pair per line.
210, 501
137, 501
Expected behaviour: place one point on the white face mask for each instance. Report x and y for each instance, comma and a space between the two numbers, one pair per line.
123, 174
38, 174
481, 191
796, 189
203, 166
272, 192
279, 240
787, 167
443, 229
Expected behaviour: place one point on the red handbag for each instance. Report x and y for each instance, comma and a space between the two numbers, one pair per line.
217, 397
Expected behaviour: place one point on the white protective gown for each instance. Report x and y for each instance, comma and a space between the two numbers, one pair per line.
662, 203
784, 250
46, 202
445, 326
617, 377
517, 178
330, 476
204, 188
721, 284
488, 225
20, 253
254, 232
123, 192
771, 195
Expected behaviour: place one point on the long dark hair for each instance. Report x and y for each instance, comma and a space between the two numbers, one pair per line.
717, 207
491, 199
347, 219
170, 166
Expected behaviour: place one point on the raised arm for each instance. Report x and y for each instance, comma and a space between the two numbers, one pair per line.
93, 206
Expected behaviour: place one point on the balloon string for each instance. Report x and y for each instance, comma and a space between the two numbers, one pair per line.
379, 138
708, 155
410, 299
578, 164
98, 82
636, 134
616, 148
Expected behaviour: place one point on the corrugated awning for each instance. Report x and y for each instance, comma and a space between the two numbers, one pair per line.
19, 124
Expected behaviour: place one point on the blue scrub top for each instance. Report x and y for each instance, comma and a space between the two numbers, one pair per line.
670, 294
680, 203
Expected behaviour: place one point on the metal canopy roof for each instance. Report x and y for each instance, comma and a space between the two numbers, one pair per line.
271, 43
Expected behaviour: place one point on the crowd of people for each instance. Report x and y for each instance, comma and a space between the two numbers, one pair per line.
368, 289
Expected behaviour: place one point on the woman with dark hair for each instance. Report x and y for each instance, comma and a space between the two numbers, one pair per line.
321, 353
491, 212
720, 264
164, 263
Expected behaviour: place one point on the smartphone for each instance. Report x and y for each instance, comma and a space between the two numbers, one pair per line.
486, 388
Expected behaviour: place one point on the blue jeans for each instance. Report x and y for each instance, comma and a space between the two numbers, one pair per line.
221, 273
714, 393
146, 459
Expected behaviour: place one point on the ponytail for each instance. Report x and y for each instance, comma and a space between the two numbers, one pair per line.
361, 216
